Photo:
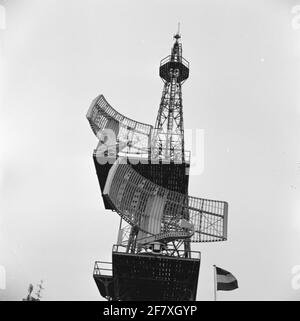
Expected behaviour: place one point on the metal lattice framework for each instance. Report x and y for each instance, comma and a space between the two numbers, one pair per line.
120, 135
116, 132
169, 139
143, 173
161, 214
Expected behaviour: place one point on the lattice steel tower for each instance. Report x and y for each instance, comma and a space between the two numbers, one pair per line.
143, 173
169, 136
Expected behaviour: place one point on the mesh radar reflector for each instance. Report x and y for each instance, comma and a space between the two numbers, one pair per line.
157, 211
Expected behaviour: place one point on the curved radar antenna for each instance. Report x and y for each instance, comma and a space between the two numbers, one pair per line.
160, 214
117, 133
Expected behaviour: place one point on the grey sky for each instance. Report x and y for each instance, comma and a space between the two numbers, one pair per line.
243, 91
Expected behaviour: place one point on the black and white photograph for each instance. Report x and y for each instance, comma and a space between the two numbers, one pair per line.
149, 151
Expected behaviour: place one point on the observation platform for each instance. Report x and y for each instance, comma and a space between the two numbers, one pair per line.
168, 64
103, 277
149, 277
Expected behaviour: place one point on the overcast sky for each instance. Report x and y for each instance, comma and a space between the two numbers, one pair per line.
243, 91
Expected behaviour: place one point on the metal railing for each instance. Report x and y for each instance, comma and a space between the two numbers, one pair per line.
104, 267
168, 58
146, 156
117, 248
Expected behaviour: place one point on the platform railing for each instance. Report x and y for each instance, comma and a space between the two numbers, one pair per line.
103, 268
145, 155
117, 248
168, 58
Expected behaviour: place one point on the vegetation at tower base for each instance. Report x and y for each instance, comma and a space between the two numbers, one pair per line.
143, 173
37, 296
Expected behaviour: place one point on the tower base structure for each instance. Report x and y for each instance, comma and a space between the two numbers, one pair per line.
148, 276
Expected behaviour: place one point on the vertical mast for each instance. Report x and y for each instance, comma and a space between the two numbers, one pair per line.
168, 140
